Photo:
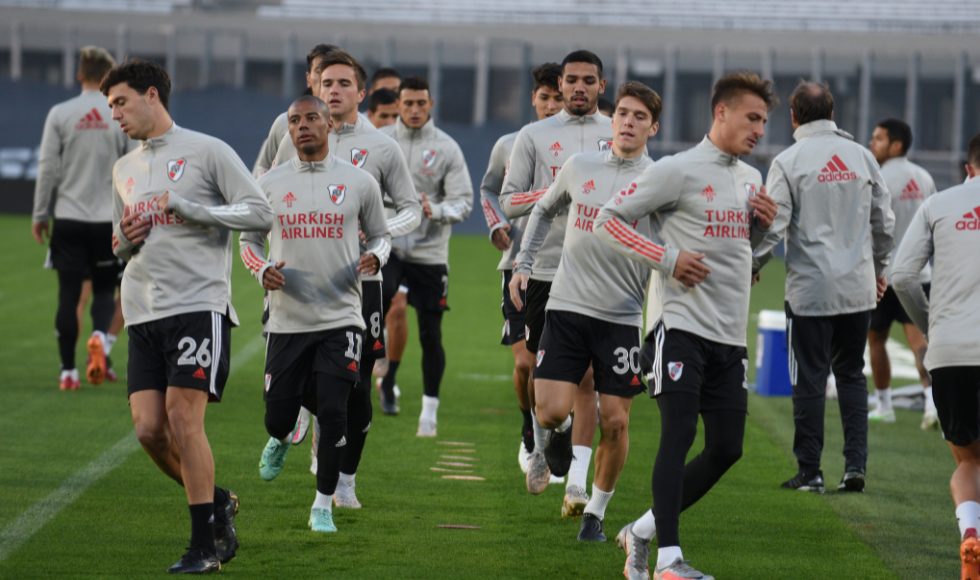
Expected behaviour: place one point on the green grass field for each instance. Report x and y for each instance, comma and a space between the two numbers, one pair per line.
133, 523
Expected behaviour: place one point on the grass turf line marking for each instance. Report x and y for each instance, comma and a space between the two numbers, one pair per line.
453, 464
28, 523
458, 527
464, 477
455, 443
451, 470
460, 457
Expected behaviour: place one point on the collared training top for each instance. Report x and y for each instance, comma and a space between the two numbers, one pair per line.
490, 187
908, 186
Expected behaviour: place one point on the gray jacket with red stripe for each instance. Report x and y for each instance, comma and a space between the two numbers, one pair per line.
698, 201
493, 183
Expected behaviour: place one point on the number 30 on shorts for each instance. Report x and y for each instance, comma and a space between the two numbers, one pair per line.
188, 356
627, 360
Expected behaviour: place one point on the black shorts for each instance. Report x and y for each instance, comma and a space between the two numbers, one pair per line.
428, 284
955, 391
188, 350
291, 360
513, 318
572, 341
535, 301
374, 321
890, 310
83, 246
685, 362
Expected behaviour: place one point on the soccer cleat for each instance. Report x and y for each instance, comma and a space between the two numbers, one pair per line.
637, 554
321, 520
225, 535
970, 556
538, 474
523, 457
803, 483
558, 451
69, 384
96, 366
680, 570
273, 458
389, 407
591, 530
302, 426
345, 497
427, 428
879, 416
930, 419
852, 481
576, 499
196, 561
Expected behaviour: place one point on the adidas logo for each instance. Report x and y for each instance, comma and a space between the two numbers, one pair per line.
92, 120
199, 374
708, 193
378, 345
588, 188
911, 191
835, 170
343, 441
129, 185
970, 221
352, 366
635, 382
556, 148
289, 199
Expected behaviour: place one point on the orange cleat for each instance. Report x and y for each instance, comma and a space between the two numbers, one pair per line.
69, 384
970, 556
96, 367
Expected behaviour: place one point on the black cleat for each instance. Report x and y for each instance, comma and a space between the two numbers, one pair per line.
197, 560
852, 481
803, 482
225, 536
558, 452
591, 529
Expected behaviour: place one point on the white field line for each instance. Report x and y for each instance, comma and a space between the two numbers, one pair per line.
28, 523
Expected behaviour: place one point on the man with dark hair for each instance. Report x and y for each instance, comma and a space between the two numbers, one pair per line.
280, 127
708, 210
385, 78
316, 347
909, 185
972, 167
79, 144
383, 108
834, 212
175, 200
538, 154
595, 307
946, 229
607, 107
505, 236
420, 260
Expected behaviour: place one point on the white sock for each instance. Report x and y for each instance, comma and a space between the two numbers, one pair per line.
540, 433
323, 501
666, 556
600, 499
346, 480
287, 440
968, 516
101, 336
73, 373
578, 473
646, 526
565, 425
430, 406
884, 399
930, 404
107, 344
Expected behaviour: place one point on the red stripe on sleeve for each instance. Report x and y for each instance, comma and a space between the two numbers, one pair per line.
644, 248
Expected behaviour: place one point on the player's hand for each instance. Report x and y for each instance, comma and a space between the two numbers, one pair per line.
756, 277
518, 284
764, 207
163, 201
369, 264
40, 231
273, 279
882, 286
500, 239
134, 227
689, 270
426, 206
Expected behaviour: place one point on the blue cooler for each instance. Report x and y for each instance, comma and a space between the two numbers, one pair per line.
771, 358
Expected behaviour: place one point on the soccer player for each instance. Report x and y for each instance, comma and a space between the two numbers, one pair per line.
946, 228
606, 107
708, 209
539, 152
176, 199
385, 78
595, 309
834, 211
505, 236
420, 260
316, 327
280, 127
909, 185
383, 108
78, 147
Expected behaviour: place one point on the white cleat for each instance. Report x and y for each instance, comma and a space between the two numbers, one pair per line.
930, 419
879, 416
637, 554
302, 426
523, 457
538, 474
576, 499
345, 497
427, 428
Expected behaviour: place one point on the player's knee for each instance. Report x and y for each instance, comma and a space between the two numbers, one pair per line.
549, 417
333, 427
524, 364
154, 439
279, 426
430, 335
724, 455
615, 426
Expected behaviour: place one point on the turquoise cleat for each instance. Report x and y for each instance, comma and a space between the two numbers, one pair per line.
273, 458
321, 520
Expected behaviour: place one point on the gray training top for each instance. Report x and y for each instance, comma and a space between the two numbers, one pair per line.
908, 185
493, 182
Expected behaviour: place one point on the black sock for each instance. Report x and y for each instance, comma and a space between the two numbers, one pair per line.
527, 430
220, 496
202, 526
388, 382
